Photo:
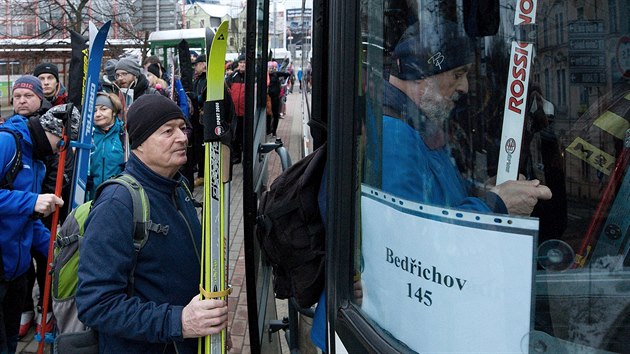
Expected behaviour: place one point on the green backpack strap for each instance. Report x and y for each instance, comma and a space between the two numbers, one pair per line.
141, 212
140, 206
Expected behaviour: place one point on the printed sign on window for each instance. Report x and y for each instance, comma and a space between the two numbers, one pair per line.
443, 280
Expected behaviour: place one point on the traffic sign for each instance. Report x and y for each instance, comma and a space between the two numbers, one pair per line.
588, 60
583, 27
623, 56
586, 44
594, 78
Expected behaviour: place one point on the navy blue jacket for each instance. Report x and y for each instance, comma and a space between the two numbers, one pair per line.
166, 276
18, 231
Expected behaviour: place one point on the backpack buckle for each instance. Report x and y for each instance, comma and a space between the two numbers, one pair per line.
157, 228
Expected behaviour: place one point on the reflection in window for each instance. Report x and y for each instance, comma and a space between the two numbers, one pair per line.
432, 136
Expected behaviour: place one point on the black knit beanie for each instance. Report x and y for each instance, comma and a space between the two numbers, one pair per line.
147, 114
46, 68
155, 70
423, 52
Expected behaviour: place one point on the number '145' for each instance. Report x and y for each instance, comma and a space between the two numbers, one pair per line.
423, 297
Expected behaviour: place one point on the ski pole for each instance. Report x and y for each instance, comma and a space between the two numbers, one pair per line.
590, 239
63, 150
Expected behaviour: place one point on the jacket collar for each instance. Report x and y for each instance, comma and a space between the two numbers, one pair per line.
150, 179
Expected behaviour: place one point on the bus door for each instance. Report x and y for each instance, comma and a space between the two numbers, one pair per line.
261, 306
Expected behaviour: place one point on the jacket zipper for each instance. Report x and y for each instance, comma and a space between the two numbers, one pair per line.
19, 259
190, 233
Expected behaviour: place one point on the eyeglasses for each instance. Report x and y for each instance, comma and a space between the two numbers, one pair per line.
121, 74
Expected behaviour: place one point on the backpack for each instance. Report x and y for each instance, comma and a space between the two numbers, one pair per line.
291, 232
16, 164
66, 251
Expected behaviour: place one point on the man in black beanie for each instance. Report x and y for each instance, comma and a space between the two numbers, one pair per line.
164, 313
54, 91
427, 77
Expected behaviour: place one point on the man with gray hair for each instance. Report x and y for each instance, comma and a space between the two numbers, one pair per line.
163, 313
427, 78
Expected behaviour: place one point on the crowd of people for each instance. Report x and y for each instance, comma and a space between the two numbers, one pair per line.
145, 126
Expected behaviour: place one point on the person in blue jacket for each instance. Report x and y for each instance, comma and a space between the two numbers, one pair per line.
108, 155
420, 92
21, 208
162, 313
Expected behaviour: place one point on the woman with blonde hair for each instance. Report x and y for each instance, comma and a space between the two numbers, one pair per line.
108, 154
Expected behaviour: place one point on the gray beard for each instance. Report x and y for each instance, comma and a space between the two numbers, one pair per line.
437, 107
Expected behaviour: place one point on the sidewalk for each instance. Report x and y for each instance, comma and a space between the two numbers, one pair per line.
290, 131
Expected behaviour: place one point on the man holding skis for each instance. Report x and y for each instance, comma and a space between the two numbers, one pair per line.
22, 204
420, 95
164, 313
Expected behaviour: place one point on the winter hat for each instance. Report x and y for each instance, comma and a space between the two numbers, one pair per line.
30, 82
147, 114
46, 68
155, 70
129, 66
423, 53
110, 69
109, 100
103, 100
52, 121
200, 59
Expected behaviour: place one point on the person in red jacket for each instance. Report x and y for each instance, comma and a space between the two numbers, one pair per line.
236, 84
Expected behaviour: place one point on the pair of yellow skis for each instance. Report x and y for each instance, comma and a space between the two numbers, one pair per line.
214, 253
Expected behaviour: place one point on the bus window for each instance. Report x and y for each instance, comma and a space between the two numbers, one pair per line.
493, 175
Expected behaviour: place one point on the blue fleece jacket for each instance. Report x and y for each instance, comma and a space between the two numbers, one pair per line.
107, 158
18, 231
166, 275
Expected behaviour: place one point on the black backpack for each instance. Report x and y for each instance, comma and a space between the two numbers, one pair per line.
291, 232
16, 162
